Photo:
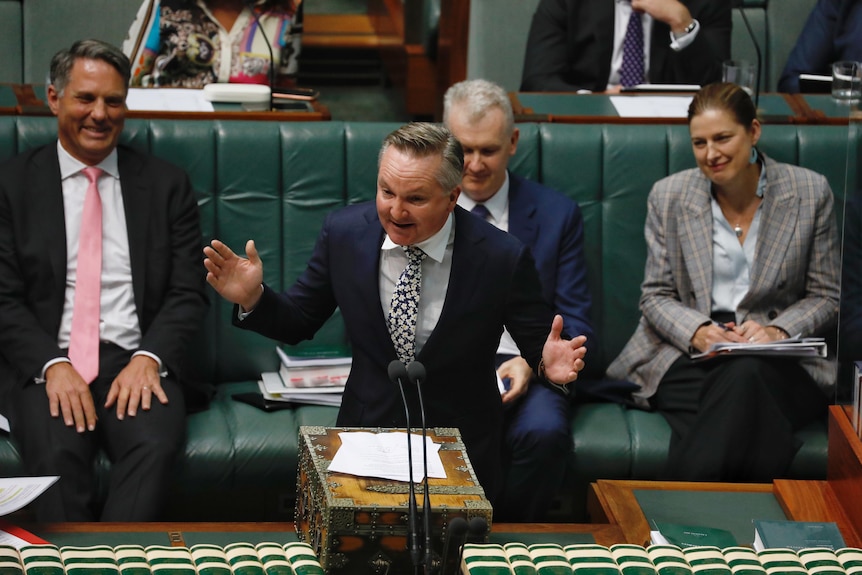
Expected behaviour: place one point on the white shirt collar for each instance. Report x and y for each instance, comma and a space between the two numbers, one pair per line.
69, 166
496, 204
434, 247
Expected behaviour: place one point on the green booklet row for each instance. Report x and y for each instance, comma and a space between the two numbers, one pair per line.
624, 559
293, 558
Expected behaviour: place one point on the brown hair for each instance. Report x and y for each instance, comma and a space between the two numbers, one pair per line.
727, 97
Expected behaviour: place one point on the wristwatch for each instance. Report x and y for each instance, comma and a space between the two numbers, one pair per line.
688, 29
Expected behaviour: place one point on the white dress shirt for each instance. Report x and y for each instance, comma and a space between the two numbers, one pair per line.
436, 268
118, 321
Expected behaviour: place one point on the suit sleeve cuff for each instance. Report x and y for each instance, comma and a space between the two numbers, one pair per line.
56, 360
685, 40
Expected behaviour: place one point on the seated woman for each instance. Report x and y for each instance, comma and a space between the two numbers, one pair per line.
740, 249
191, 43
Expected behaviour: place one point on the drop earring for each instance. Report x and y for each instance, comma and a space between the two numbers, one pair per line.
753, 158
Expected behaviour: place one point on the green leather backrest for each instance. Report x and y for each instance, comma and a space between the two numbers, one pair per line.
275, 182
784, 20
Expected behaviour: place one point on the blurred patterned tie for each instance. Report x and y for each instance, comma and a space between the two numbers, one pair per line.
632, 70
403, 309
481, 211
84, 338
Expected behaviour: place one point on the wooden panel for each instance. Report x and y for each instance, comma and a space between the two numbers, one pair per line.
814, 501
619, 506
345, 31
844, 470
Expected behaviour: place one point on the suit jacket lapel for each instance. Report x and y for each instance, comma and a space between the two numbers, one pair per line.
522, 212
695, 231
778, 213
605, 13
136, 206
368, 239
467, 269
47, 187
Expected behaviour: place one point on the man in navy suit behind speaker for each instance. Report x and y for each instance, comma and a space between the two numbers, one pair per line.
537, 440
473, 280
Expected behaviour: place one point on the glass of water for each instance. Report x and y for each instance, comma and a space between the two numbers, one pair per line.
847, 81
740, 72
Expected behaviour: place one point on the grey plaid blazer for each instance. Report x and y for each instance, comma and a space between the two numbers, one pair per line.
795, 275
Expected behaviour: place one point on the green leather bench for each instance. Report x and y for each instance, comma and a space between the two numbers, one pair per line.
275, 182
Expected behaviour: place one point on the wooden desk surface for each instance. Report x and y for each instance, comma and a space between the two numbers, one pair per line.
616, 503
573, 108
28, 100
186, 534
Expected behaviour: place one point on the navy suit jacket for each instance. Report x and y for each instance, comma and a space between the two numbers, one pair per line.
164, 245
832, 32
558, 249
571, 43
493, 283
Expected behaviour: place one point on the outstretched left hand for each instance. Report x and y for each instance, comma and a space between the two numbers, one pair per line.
563, 358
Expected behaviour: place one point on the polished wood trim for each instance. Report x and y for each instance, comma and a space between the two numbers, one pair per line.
346, 31
619, 505
606, 535
452, 44
157, 526
30, 105
844, 468
815, 501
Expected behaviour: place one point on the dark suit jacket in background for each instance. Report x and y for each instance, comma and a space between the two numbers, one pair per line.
571, 44
558, 248
493, 283
164, 244
832, 32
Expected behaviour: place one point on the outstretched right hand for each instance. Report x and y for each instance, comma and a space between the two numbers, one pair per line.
235, 278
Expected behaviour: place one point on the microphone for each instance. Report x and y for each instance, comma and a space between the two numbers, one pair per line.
250, 5
397, 374
416, 373
738, 4
457, 529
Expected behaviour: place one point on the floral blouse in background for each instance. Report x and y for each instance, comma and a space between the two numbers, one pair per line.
180, 44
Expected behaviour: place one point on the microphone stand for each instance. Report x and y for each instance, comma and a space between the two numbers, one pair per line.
759, 57
397, 374
250, 5
457, 528
416, 372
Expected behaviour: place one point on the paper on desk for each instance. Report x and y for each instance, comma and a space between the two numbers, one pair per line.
651, 106
16, 492
384, 455
168, 100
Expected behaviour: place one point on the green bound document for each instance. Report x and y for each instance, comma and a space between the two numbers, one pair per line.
691, 536
796, 535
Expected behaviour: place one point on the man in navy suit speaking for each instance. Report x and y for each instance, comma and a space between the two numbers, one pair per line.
474, 280
537, 438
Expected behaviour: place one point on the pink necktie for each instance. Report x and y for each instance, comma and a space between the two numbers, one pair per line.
84, 339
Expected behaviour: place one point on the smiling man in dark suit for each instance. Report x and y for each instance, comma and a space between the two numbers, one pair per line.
475, 280
100, 292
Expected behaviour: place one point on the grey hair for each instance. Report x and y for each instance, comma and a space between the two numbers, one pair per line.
479, 96
64, 60
424, 139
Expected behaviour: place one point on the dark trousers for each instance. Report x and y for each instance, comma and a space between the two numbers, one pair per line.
536, 447
142, 450
734, 419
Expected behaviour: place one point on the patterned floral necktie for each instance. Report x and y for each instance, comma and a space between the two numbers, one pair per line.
632, 70
403, 309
